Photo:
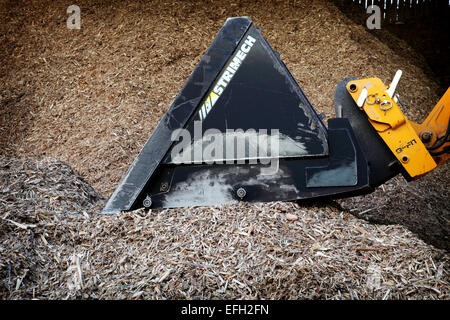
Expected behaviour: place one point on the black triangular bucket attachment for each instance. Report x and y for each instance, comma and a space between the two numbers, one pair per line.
241, 129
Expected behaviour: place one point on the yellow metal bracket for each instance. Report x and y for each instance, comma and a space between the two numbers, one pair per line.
434, 129
387, 118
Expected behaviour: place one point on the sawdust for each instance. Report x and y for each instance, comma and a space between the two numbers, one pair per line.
92, 97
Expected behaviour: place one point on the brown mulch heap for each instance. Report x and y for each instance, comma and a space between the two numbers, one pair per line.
92, 97
422, 206
55, 244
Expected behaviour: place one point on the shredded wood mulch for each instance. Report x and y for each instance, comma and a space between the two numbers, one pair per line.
91, 97
55, 244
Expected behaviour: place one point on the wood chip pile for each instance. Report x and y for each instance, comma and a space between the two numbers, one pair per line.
54, 244
90, 98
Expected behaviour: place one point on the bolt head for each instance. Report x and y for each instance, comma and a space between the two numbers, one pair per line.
405, 158
241, 192
147, 202
426, 136
164, 186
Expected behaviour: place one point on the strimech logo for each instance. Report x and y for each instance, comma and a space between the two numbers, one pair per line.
226, 76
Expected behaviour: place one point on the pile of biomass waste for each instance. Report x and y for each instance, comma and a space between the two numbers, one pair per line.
90, 98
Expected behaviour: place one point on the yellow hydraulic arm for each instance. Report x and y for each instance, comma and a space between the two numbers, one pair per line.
420, 148
434, 131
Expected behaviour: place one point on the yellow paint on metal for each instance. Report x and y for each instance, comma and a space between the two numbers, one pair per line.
435, 127
391, 124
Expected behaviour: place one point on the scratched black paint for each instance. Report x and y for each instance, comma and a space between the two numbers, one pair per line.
261, 95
